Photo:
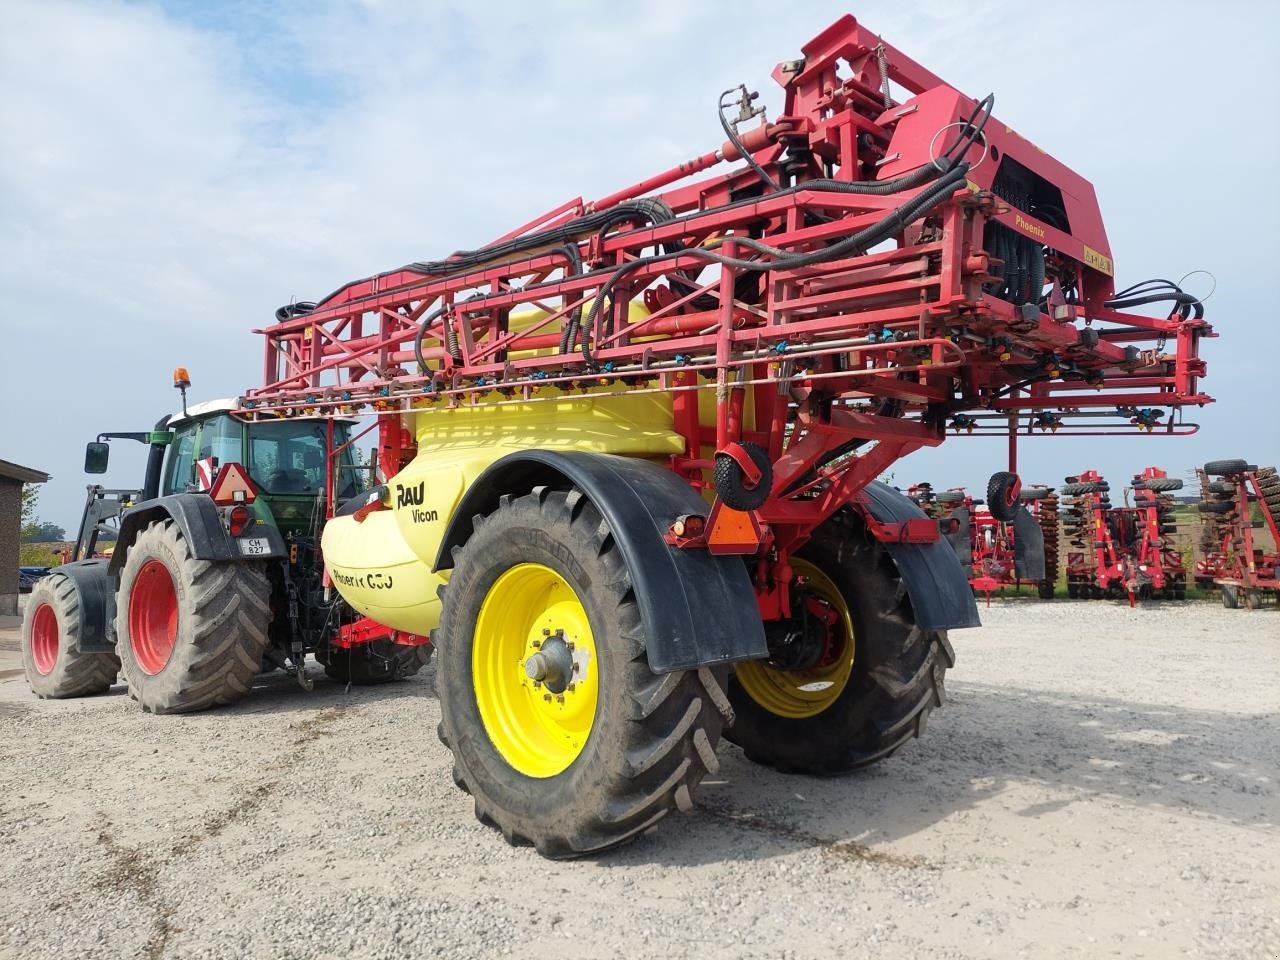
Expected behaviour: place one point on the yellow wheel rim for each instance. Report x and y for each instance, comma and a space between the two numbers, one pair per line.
799, 694
538, 726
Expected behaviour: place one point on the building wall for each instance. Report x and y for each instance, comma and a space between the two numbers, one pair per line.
10, 534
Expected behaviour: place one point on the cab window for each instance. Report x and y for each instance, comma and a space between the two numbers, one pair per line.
288, 456
177, 473
220, 439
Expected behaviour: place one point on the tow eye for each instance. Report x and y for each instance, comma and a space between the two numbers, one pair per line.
552, 665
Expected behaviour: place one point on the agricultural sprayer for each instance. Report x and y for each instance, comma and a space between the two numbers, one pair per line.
628, 449
1234, 559
1127, 550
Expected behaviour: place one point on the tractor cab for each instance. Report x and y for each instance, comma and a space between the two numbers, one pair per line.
287, 460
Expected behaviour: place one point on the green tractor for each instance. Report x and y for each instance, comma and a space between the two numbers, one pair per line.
215, 576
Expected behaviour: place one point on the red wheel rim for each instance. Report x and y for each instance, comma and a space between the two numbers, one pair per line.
153, 617
44, 639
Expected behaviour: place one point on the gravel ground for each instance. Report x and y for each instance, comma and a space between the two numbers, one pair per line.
1103, 782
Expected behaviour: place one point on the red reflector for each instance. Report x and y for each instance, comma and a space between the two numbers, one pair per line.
238, 520
233, 486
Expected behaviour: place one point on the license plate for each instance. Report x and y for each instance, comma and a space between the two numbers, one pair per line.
254, 546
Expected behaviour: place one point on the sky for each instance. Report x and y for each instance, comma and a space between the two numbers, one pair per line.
171, 172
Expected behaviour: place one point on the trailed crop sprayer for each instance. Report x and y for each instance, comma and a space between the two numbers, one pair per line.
628, 450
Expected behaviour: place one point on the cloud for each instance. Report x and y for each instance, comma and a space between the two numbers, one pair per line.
173, 172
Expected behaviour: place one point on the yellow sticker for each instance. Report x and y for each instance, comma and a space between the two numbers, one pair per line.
1098, 261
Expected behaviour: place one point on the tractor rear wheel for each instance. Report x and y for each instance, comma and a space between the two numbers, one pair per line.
560, 731
190, 633
51, 658
874, 687
370, 663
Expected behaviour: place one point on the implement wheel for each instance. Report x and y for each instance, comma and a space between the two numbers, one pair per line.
371, 663
559, 730
50, 637
190, 633
873, 689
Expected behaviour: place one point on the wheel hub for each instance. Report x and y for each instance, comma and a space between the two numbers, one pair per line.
553, 664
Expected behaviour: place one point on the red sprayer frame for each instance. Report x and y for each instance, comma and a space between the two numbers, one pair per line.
885, 273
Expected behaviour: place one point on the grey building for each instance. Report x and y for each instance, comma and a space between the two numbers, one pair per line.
12, 478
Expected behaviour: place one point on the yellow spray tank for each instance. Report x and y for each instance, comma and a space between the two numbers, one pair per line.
383, 565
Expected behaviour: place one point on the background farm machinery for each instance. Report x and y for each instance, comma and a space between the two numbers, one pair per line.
1008, 546
1126, 550
628, 449
1233, 557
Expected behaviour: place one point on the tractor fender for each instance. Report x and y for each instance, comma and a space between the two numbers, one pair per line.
1028, 546
96, 595
197, 517
939, 589
697, 609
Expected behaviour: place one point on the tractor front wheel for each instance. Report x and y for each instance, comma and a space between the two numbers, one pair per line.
875, 683
51, 658
560, 731
190, 633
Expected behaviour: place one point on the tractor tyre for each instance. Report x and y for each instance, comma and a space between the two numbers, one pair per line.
1034, 493
950, 496
1159, 484
559, 729
1230, 596
371, 663
1045, 591
190, 633
1225, 468
875, 689
51, 658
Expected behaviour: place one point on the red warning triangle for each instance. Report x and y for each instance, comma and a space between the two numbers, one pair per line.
233, 486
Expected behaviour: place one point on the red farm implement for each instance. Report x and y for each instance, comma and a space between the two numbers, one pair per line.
629, 449
1236, 560
1128, 550
1021, 548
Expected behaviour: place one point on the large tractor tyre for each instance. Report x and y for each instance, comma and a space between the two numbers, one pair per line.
371, 663
1226, 468
873, 688
1159, 484
190, 633
54, 666
560, 731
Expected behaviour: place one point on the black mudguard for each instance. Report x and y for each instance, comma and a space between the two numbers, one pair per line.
96, 594
1028, 546
197, 517
697, 609
939, 590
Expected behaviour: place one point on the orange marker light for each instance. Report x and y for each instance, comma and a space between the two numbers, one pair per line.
181, 379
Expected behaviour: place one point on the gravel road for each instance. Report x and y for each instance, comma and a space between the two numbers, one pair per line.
1103, 782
